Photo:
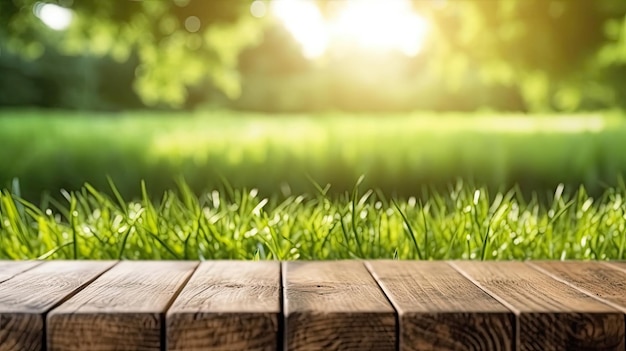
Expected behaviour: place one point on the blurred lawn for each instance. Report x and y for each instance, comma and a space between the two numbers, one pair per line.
400, 154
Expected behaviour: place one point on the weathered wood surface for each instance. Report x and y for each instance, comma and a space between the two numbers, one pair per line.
121, 310
594, 278
323, 305
227, 305
551, 315
9, 269
617, 264
25, 298
335, 305
439, 309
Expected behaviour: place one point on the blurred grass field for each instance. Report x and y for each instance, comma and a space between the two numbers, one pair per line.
400, 154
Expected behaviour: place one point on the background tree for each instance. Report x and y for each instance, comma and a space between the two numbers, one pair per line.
520, 55
173, 45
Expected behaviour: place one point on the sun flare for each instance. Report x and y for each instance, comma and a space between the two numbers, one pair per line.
53, 16
371, 24
305, 22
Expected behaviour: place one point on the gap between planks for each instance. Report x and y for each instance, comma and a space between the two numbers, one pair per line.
23, 314
550, 314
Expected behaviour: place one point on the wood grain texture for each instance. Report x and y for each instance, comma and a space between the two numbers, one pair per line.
335, 305
121, 310
227, 305
9, 269
617, 264
439, 309
594, 278
26, 298
551, 315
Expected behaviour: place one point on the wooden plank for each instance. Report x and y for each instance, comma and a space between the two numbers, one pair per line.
121, 310
439, 309
227, 305
335, 305
551, 315
26, 298
618, 264
593, 278
9, 269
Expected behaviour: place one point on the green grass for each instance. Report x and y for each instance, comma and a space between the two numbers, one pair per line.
50, 151
464, 222
270, 207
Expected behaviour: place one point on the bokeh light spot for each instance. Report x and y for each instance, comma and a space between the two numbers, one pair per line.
258, 9
181, 3
194, 42
192, 24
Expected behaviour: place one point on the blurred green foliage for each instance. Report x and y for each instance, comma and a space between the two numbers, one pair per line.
522, 55
400, 154
155, 54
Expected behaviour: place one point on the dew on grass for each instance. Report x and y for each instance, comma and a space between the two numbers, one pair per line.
250, 233
215, 197
253, 193
617, 203
587, 204
313, 226
411, 202
274, 220
363, 214
476, 197
327, 219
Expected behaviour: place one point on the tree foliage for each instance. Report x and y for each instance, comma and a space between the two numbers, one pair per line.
551, 50
531, 55
177, 43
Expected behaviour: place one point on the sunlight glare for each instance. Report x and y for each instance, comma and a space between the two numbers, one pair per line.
305, 22
372, 24
385, 25
53, 16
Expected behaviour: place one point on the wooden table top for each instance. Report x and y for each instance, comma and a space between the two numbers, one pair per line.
312, 305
